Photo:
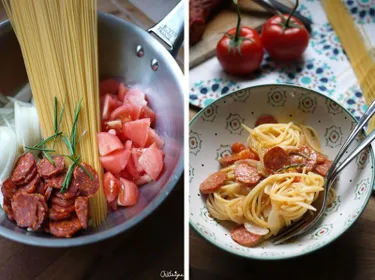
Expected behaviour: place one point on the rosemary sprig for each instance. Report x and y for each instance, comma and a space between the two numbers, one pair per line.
40, 149
87, 172
73, 133
290, 166
49, 158
69, 173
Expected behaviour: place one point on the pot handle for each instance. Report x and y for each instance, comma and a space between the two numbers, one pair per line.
171, 29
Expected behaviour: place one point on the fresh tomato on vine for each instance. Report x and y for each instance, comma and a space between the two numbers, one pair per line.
240, 50
285, 37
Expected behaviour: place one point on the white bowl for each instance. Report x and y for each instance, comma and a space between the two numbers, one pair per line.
215, 128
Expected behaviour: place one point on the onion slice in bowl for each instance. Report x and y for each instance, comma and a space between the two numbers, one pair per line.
8, 151
255, 229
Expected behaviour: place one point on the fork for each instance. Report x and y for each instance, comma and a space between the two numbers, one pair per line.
308, 221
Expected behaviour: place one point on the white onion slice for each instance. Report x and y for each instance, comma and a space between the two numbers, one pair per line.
274, 222
26, 124
255, 229
8, 151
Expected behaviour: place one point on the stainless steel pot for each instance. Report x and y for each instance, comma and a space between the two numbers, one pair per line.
126, 51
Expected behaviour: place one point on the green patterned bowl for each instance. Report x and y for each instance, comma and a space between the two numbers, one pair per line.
216, 127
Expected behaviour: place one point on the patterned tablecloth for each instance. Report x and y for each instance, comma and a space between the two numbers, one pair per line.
324, 67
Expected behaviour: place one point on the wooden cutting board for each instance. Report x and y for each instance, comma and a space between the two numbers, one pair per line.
252, 15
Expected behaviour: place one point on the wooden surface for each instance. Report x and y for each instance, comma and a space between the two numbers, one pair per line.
155, 245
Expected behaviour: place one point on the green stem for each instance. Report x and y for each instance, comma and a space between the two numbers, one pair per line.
40, 149
238, 28
291, 14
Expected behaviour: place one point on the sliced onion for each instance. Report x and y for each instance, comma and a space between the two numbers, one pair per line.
26, 124
274, 222
8, 151
255, 229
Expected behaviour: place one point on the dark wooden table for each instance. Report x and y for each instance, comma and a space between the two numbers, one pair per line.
352, 256
155, 245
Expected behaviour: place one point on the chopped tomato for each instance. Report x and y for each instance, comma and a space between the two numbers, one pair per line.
130, 168
137, 131
238, 147
111, 186
152, 161
115, 124
153, 137
136, 97
113, 205
116, 161
125, 113
108, 86
148, 113
109, 104
125, 174
136, 154
129, 193
108, 143
144, 179
122, 90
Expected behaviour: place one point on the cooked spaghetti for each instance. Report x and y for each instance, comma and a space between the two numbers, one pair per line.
58, 41
271, 183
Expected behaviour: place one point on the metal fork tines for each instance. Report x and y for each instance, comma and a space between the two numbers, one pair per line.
308, 221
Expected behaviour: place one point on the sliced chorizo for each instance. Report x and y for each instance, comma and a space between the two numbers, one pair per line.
24, 207
65, 228
275, 158
8, 189
24, 166
62, 201
41, 188
47, 193
247, 174
58, 216
228, 160
46, 169
310, 156
238, 147
320, 158
67, 209
56, 181
7, 207
243, 237
82, 210
244, 154
42, 210
86, 185
213, 182
323, 168
264, 119
31, 186
71, 192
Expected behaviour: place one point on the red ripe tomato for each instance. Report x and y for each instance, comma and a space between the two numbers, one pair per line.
111, 187
242, 56
284, 40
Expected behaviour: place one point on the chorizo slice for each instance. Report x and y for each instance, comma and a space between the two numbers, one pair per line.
86, 185
62, 201
41, 188
238, 147
46, 169
264, 119
58, 216
59, 209
275, 158
243, 237
42, 210
48, 193
7, 207
228, 160
24, 166
213, 182
56, 181
244, 154
24, 207
322, 169
31, 186
65, 228
71, 192
82, 210
8, 189
320, 158
247, 174
310, 156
